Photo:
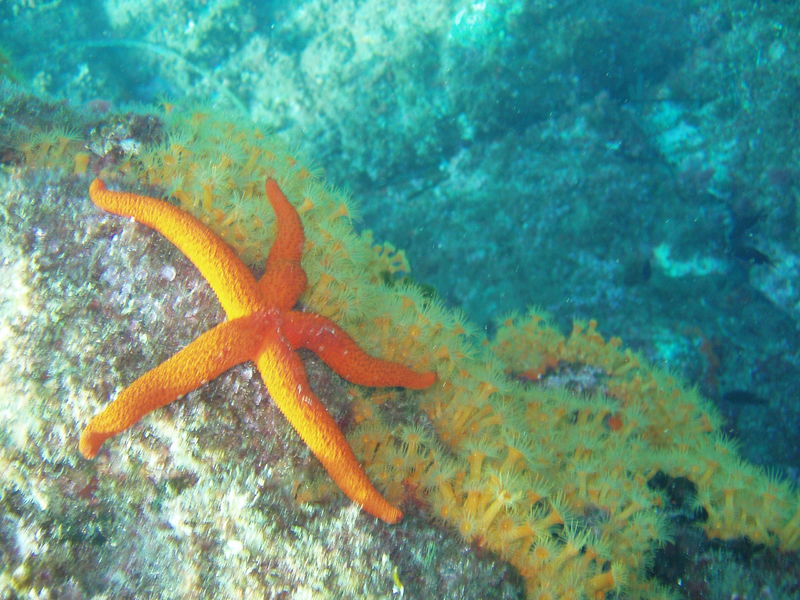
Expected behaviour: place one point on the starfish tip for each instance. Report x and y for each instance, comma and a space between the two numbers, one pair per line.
90, 443
422, 381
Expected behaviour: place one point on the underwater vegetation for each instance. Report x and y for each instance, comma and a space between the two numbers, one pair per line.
555, 452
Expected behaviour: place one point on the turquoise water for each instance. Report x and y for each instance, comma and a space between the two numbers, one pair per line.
633, 162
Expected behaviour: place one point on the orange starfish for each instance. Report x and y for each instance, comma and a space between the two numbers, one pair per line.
261, 326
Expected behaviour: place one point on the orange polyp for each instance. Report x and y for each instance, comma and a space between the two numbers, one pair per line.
306, 206
230, 218
407, 302
533, 497
369, 444
614, 422
337, 248
341, 211
170, 160
251, 189
81, 163
791, 531
63, 142
447, 493
601, 583
219, 215
705, 424
411, 444
208, 197
255, 153
541, 554
552, 518
486, 389
711, 467
183, 198
480, 418
629, 510
225, 162
512, 457
475, 460
518, 532
489, 515
442, 353
728, 512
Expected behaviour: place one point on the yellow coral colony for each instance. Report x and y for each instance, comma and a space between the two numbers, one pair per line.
552, 482
556, 483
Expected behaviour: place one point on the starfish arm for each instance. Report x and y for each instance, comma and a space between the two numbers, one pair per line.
284, 278
342, 354
284, 375
227, 275
214, 352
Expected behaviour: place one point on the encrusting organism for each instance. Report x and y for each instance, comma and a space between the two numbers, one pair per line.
560, 484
